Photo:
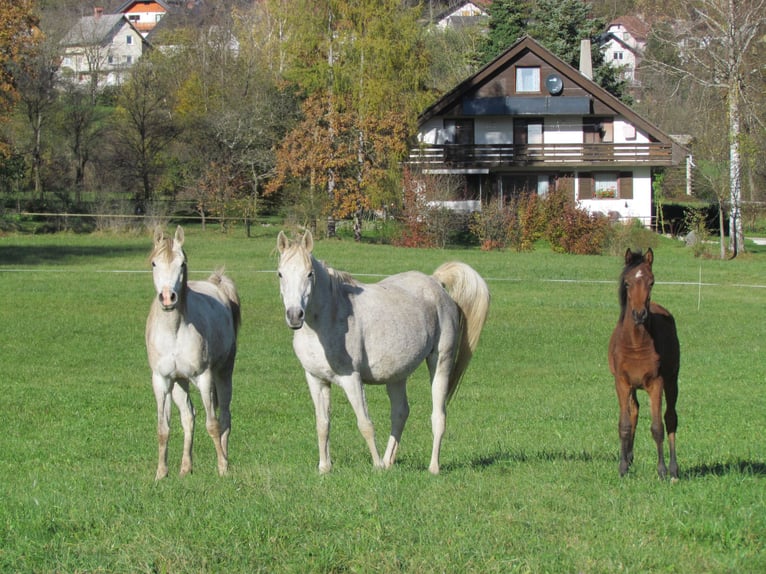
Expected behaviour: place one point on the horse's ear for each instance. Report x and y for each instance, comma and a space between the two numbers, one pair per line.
158, 235
179, 237
308, 241
628, 256
649, 257
282, 242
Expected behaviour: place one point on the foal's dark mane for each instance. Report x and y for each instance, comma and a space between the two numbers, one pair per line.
636, 259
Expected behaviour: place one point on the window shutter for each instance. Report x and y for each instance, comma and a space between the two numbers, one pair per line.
586, 186
626, 185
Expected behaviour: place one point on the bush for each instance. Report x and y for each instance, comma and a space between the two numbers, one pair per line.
631, 235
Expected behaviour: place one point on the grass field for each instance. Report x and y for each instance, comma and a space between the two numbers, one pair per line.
529, 477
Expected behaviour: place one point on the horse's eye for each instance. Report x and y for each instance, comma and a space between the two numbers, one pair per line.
279, 274
311, 274
154, 264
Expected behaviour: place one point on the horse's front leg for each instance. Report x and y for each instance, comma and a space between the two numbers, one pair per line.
162, 387
355, 393
671, 423
400, 410
626, 428
182, 400
320, 394
658, 429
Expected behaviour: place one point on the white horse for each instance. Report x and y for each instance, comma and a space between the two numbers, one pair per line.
350, 333
191, 335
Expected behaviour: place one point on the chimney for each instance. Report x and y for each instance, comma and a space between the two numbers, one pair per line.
97, 12
586, 62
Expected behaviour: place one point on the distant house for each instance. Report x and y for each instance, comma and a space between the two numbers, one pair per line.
144, 14
529, 123
624, 43
464, 14
99, 49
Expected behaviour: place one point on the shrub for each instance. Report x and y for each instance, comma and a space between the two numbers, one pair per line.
631, 235
571, 229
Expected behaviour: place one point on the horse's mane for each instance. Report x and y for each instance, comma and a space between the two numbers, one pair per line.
636, 259
338, 279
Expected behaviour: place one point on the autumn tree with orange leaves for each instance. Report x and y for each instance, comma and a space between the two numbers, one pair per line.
361, 67
18, 36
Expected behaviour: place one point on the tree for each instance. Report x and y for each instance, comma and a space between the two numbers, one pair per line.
560, 25
18, 37
35, 78
143, 128
352, 60
507, 23
718, 39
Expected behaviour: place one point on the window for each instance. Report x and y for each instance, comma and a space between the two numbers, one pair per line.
605, 186
134, 18
458, 131
617, 56
527, 131
128, 60
130, 39
527, 80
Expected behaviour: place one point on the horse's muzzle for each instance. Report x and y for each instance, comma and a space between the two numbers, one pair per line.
639, 317
294, 317
168, 299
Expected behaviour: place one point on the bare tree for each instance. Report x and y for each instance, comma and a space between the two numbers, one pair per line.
716, 40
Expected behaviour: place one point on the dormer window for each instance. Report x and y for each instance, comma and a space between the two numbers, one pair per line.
527, 80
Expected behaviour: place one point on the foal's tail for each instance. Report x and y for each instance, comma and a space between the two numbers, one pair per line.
229, 290
470, 292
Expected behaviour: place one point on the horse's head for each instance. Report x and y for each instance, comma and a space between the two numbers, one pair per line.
296, 276
169, 267
636, 285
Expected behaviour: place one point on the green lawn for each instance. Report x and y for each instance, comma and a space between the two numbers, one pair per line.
529, 464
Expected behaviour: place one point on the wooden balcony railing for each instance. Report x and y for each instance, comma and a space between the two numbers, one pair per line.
459, 156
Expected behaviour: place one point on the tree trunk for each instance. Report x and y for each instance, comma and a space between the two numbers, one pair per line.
736, 234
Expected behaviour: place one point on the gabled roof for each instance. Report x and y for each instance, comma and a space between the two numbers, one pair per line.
126, 5
95, 30
633, 24
522, 47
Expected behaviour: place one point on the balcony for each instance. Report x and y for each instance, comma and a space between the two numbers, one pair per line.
484, 157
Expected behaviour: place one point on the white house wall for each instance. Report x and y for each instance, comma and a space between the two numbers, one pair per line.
639, 207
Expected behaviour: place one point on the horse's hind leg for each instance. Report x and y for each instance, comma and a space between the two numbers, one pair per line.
671, 424
439, 384
182, 400
223, 392
400, 410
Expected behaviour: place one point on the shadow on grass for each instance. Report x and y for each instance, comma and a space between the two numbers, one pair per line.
503, 458
749, 467
62, 254
745, 467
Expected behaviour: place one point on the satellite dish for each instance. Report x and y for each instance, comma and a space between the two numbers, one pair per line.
554, 84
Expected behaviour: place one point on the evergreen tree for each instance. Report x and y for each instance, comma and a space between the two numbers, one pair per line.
507, 23
560, 25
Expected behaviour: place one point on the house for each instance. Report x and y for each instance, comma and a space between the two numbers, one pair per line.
624, 43
464, 14
529, 122
144, 14
99, 49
